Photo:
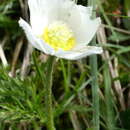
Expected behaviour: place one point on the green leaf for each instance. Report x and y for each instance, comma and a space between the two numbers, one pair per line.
121, 37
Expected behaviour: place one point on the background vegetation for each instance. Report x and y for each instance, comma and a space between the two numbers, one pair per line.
22, 95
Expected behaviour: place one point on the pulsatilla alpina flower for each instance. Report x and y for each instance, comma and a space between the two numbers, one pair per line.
61, 28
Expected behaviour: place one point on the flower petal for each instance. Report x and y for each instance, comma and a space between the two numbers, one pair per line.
79, 53
42, 12
74, 18
36, 42
86, 10
65, 9
81, 23
88, 26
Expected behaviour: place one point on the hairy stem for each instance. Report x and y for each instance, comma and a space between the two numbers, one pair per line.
48, 94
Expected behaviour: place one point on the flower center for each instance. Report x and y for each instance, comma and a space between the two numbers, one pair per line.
59, 36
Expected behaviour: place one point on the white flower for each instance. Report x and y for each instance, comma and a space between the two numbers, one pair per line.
61, 28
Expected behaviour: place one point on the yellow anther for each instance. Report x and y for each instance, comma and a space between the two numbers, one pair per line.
59, 36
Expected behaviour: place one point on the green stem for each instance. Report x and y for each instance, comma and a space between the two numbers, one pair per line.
65, 76
48, 94
95, 94
94, 73
108, 99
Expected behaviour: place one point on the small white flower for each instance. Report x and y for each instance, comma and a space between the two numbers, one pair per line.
61, 28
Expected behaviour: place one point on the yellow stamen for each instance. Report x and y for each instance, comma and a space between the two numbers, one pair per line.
59, 36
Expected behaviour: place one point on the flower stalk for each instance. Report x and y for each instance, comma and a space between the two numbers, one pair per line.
94, 73
48, 93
